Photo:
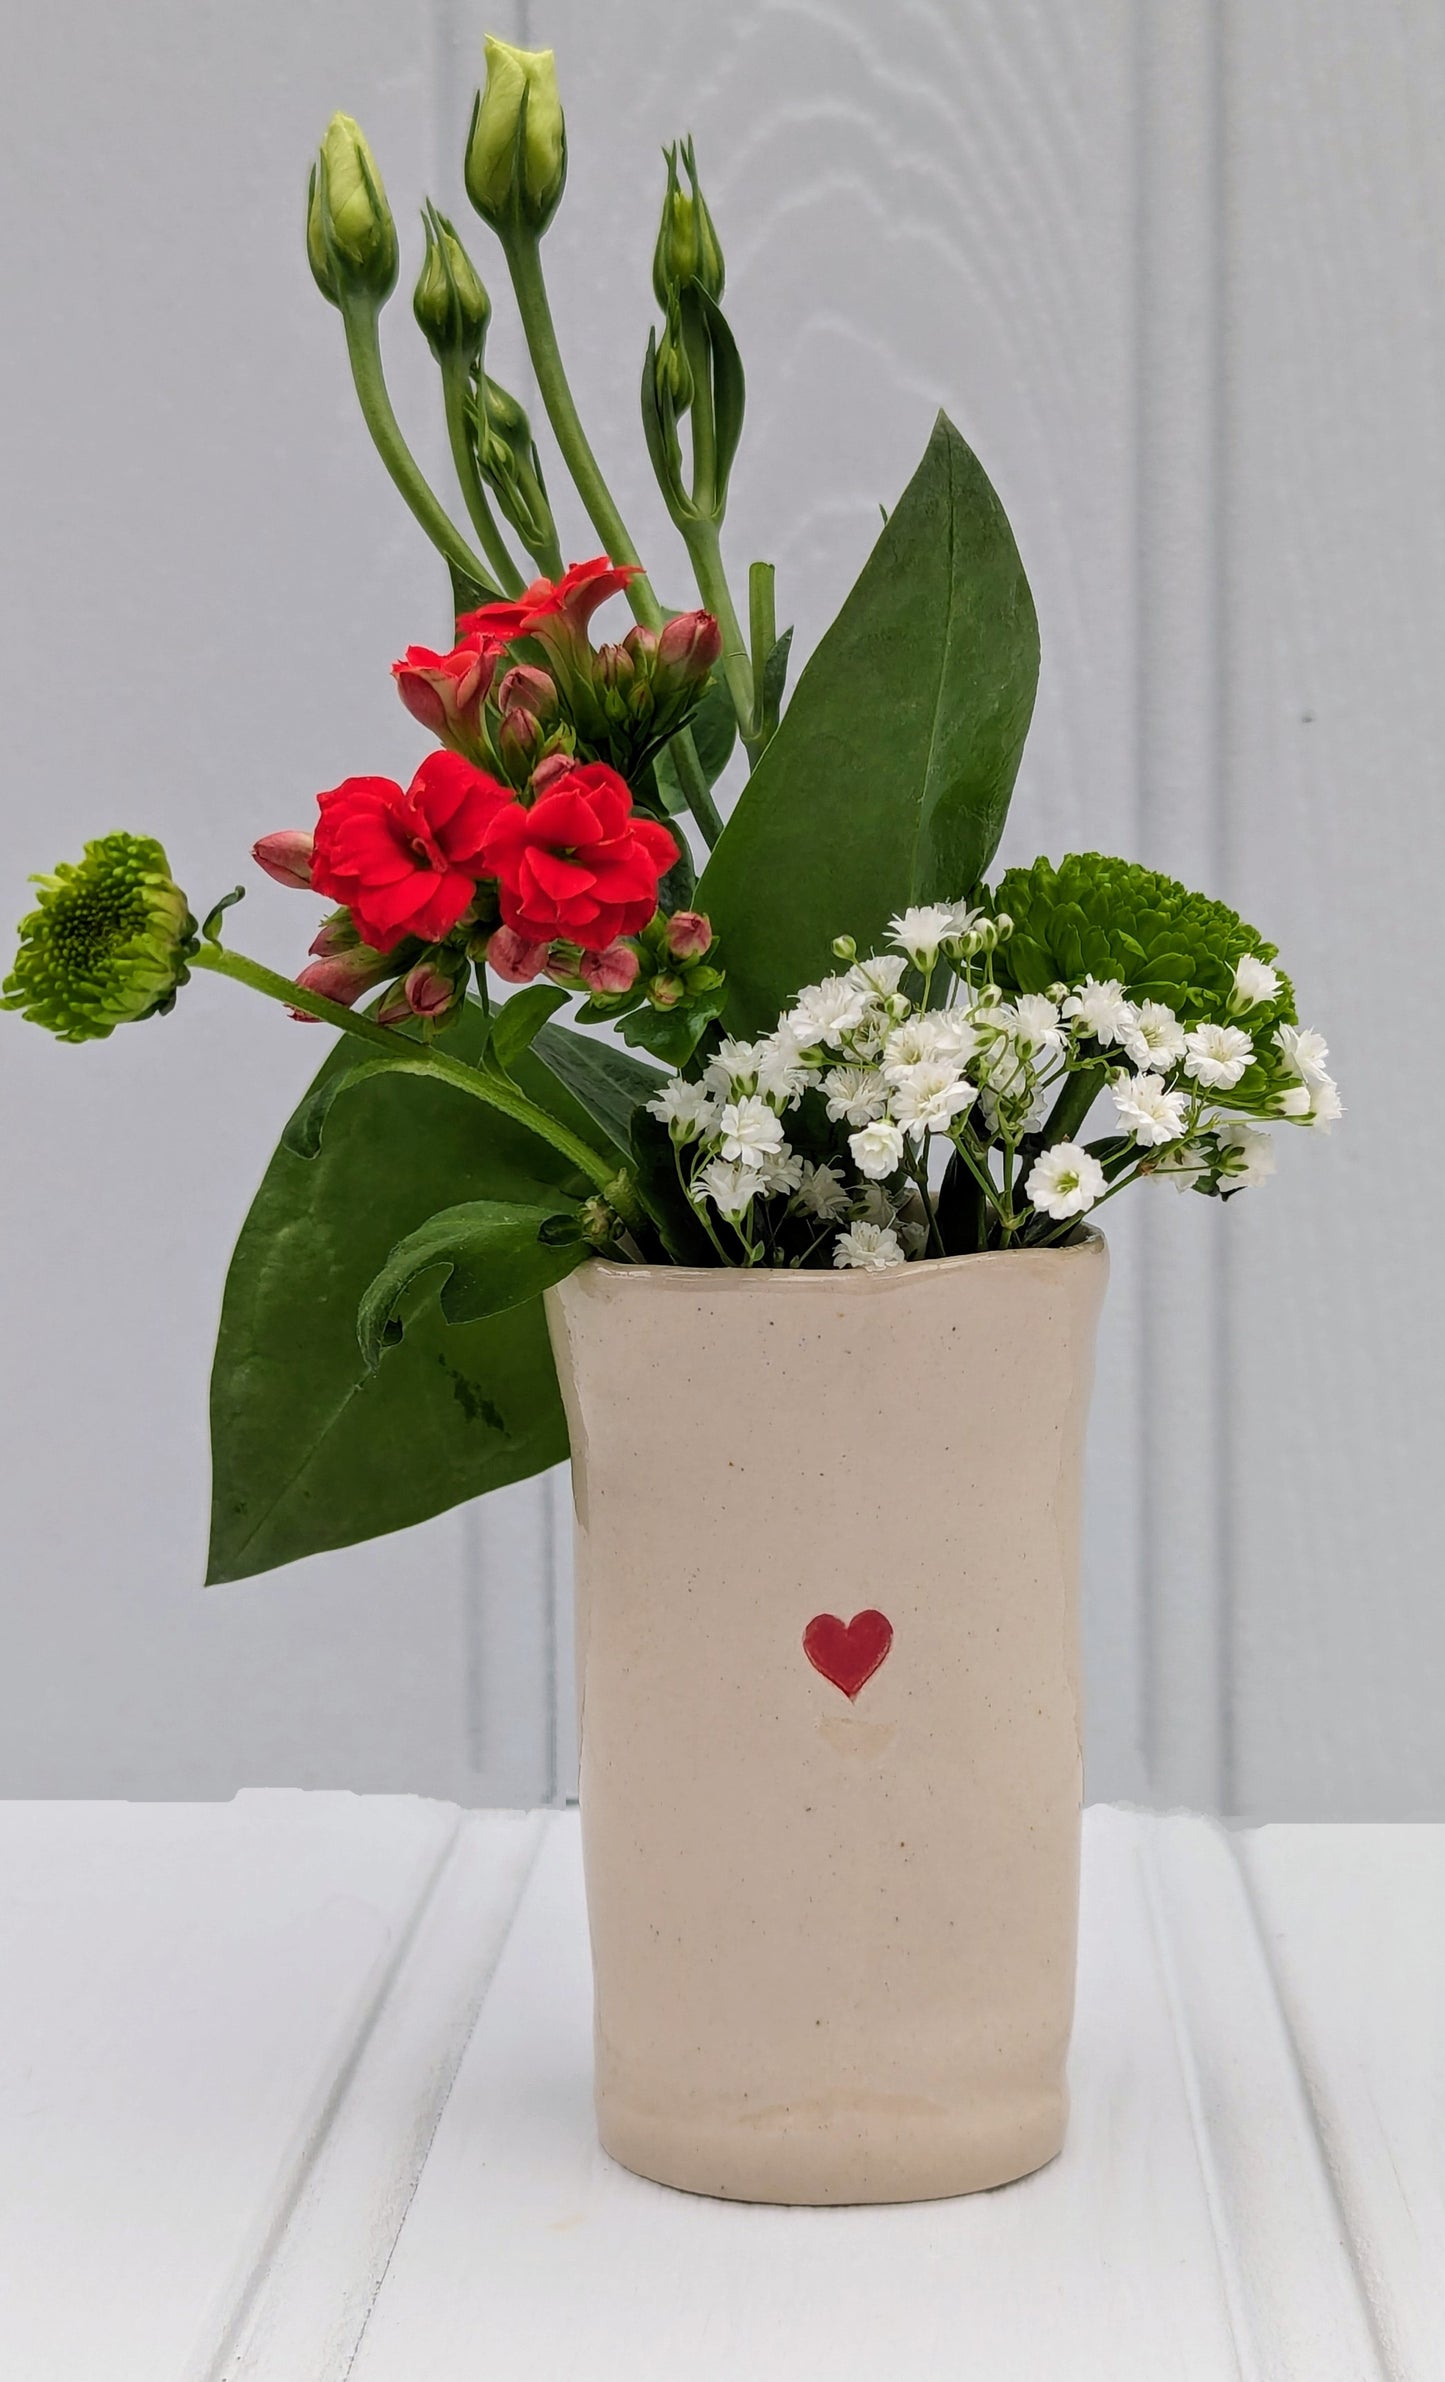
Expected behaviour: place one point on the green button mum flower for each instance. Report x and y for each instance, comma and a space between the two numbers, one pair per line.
108, 943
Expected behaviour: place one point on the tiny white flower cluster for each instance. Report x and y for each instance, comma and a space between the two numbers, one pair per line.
876, 1069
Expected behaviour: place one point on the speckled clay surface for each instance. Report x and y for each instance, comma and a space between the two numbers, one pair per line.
833, 1935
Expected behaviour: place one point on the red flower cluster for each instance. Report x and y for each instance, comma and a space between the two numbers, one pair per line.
577, 863
406, 863
547, 606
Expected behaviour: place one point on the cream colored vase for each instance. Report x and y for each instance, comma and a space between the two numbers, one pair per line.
827, 1557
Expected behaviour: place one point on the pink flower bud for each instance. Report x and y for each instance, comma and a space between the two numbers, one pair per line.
336, 933
431, 990
344, 977
525, 689
513, 958
614, 970
556, 765
689, 934
520, 738
286, 856
687, 647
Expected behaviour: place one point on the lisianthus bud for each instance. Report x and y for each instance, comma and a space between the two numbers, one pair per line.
688, 249
614, 970
286, 856
516, 159
350, 236
689, 934
450, 303
687, 648
513, 958
106, 945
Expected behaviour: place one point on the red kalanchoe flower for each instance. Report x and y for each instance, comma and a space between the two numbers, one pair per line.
446, 691
578, 862
406, 863
567, 603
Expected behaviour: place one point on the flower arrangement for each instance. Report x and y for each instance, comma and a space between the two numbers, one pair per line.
985, 1066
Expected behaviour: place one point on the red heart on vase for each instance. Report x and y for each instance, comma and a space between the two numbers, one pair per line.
848, 1652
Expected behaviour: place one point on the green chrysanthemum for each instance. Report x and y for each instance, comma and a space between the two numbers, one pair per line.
107, 944
1093, 916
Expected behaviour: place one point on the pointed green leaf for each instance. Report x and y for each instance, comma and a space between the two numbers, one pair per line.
515, 1024
310, 1450
304, 1129
889, 777
488, 1254
610, 1084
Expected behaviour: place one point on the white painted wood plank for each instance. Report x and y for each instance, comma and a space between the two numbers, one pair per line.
312, 2297
1334, 358
527, 2251
182, 1990
1354, 1918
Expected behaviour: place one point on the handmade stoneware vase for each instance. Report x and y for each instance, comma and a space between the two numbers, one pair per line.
827, 1559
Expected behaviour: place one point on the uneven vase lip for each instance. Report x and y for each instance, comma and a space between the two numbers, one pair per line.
850, 1281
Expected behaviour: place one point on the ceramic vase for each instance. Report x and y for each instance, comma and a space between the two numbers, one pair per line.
827, 1561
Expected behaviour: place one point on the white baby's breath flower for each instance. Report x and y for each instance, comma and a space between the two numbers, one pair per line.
1303, 1052
1065, 1181
877, 1150
872, 1205
928, 1097
781, 1173
880, 976
1248, 1155
826, 1012
913, 1233
821, 1192
1294, 1101
870, 1248
1155, 1041
855, 1095
685, 1108
963, 920
731, 1189
1183, 1164
1216, 1056
1037, 1026
733, 1067
1326, 1107
920, 931
1254, 981
1103, 1012
781, 1073
749, 1131
939, 1036
1148, 1110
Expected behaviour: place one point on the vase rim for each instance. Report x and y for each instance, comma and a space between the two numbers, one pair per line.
853, 1279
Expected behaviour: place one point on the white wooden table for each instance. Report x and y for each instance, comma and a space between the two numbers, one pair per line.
296, 2088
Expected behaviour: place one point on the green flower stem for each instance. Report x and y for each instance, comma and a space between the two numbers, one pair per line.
698, 794
524, 262
360, 316
705, 550
455, 398
418, 1059
523, 252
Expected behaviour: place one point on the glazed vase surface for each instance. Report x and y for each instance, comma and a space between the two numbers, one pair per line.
827, 1562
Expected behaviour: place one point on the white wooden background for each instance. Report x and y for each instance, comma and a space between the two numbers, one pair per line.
1174, 267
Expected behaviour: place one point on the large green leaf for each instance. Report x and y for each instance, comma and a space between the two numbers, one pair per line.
889, 778
608, 1082
484, 1257
310, 1448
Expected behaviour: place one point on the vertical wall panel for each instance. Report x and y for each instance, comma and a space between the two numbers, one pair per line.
1335, 360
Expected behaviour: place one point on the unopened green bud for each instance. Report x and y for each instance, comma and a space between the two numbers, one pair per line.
688, 249
508, 460
107, 943
516, 160
845, 948
350, 236
450, 303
